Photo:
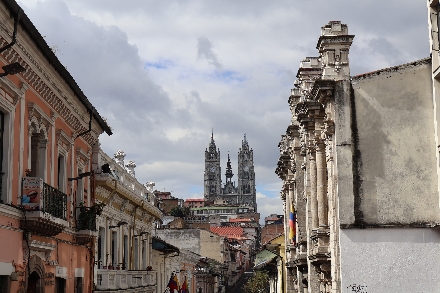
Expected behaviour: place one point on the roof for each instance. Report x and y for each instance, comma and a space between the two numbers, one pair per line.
263, 258
161, 245
229, 232
215, 208
41, 44
393, 69
239, 220
167, 220
194, 199
239, 224
282, 234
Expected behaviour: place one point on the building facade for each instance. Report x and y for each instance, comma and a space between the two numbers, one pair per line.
47, 130
244, 193
123, 249
359, 164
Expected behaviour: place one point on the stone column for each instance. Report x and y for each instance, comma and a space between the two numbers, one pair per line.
313, 196
321, 183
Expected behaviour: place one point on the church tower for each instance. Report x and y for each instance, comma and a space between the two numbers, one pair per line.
246, 175
230, 194
212, 178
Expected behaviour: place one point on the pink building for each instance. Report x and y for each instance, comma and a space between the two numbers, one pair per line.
48, 128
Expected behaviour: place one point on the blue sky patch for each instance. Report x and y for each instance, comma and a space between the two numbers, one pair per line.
161, 64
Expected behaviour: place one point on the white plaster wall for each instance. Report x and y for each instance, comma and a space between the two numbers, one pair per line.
397, 149
390, 260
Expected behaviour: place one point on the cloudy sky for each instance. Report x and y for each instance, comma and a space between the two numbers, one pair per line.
164, 73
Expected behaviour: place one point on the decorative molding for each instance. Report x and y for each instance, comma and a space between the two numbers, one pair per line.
64, 142
82, 158
48, 88
10, 212
12, 90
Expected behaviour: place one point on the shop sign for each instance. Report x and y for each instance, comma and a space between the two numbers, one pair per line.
32, 197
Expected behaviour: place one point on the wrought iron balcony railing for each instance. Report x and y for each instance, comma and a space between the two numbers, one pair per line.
54, 202
86, 219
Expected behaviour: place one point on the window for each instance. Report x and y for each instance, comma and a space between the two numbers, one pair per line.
80, 190
101, 248
4, 283
61, 173
115, 248
60, 285
79, 285
136, 254
38, 154
125, 253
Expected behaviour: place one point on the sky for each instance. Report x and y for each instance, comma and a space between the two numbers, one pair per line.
166, 73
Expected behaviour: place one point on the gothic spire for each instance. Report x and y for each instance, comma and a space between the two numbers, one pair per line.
229, 173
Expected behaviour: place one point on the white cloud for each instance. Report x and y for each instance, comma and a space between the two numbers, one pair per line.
138, 64
268, 205
204, 50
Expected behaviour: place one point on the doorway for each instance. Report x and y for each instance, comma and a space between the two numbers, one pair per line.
33, 283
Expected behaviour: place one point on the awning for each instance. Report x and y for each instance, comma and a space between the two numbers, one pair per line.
263, 258
161, 245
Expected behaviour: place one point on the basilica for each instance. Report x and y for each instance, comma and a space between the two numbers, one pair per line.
242, 194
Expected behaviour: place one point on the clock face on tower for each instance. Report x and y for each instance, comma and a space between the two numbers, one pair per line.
246, 168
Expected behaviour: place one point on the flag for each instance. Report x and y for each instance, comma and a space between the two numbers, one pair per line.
184, 288
292, 224
173, 284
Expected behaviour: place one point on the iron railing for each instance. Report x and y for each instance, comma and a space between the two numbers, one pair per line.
86, 219
54, 202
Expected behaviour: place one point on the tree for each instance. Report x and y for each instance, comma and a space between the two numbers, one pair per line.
180, 212
258, 283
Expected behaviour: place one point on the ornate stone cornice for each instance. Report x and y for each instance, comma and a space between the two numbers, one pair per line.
106, 181
322, 90
48, 89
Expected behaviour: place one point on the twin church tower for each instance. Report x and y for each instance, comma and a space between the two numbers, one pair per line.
244, 194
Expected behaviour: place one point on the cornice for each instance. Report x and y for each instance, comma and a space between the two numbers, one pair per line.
31, 34
11, 212
122, 191
47, 88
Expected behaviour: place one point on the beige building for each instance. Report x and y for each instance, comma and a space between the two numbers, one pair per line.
123, 250
359, 163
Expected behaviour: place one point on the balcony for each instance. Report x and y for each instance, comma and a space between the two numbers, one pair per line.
45, 208
86, 222
115, 280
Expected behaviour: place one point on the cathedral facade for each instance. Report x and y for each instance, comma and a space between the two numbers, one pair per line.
242, 194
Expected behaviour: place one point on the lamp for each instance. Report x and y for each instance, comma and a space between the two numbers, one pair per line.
12, 69
118, 225
80, 176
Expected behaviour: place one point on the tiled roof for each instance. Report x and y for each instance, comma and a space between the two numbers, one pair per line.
243, 225
229, 232
239, 220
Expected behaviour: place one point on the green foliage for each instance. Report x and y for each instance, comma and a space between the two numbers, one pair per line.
258, 283
180, 212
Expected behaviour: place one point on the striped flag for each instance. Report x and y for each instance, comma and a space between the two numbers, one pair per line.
292, 224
